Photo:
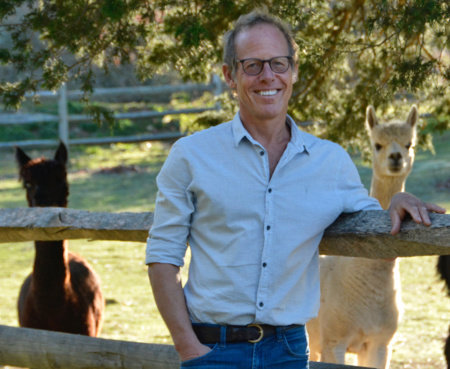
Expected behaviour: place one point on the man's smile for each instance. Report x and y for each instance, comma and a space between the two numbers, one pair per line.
267, 92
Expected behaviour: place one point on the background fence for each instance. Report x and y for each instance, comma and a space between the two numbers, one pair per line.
63, 96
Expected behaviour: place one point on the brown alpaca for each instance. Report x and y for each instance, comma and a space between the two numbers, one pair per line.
63, 291
361, 303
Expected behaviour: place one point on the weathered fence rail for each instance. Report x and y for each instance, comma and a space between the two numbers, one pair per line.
44, 349
364, 234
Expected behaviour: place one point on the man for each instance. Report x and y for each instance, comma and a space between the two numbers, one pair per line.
252, 198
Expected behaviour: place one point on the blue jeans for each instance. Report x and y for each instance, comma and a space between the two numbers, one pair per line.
287, 349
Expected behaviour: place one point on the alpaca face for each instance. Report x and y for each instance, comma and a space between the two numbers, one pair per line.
45, 180
392, 144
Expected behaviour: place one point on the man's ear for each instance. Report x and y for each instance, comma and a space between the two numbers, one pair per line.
228, 75
295, 74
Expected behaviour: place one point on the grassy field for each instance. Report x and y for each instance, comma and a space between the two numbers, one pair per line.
131, 313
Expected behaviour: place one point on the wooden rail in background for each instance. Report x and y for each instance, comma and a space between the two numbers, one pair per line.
125, 94
363, 234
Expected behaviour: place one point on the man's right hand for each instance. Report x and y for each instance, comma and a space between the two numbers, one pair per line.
192, 351
168, 293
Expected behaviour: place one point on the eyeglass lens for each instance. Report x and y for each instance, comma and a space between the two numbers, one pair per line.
254, 66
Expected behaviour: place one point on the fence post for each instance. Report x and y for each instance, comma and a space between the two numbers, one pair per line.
63, 127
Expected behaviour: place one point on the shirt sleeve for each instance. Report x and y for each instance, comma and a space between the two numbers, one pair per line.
350, 189
167, 241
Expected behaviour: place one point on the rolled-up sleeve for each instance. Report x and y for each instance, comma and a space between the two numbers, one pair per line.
167, 241
350, 189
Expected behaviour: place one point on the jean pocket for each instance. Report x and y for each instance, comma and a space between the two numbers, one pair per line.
199, 360
296, 343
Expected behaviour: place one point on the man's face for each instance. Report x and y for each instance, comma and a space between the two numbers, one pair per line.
266, 95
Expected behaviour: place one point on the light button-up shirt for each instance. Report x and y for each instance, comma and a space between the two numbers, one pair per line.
253, 237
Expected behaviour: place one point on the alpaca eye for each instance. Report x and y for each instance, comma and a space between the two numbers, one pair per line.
408, 145
28, 185
378, 146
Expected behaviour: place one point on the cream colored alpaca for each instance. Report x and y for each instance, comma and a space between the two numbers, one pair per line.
360, 298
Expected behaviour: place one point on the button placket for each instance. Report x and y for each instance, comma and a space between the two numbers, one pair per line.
264, 280
265, 160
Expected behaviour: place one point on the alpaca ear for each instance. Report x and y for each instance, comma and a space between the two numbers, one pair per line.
413, 116
371, 118
61, 154
21, 157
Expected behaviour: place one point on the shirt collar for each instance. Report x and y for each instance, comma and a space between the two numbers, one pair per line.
297, 136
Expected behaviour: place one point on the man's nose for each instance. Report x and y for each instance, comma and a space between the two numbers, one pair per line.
267, 71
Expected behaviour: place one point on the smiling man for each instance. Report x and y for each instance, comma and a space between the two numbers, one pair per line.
263, 83
252, 198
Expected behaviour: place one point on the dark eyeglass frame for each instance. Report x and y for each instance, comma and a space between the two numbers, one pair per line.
263, 61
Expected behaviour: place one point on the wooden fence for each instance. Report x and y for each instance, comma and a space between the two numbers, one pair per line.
64, 119
364, 234
38, 349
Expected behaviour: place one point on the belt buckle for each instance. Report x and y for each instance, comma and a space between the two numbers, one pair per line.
261, 333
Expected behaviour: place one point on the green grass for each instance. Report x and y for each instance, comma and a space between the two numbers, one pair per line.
131, 313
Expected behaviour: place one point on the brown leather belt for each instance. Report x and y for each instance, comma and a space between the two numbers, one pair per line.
237, 333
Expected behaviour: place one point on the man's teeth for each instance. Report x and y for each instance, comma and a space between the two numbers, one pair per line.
268, 93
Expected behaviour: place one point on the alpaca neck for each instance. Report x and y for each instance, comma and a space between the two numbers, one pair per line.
384, 187
51, 267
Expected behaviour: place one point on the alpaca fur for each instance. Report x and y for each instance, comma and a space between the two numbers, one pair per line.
360, 298
63, 292
443, 268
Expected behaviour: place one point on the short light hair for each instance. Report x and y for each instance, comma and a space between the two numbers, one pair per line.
258, 16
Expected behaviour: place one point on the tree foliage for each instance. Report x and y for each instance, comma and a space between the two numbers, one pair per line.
352, 53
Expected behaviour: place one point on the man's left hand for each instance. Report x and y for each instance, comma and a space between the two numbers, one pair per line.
404, 203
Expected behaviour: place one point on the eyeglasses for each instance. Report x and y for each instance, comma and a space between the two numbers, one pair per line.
254, 66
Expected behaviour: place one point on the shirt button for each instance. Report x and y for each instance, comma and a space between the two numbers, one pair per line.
261, 304
264, 265
268, 228
269, 190
261, 153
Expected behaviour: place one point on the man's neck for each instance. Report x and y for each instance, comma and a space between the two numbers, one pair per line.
268, 133
273, 135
